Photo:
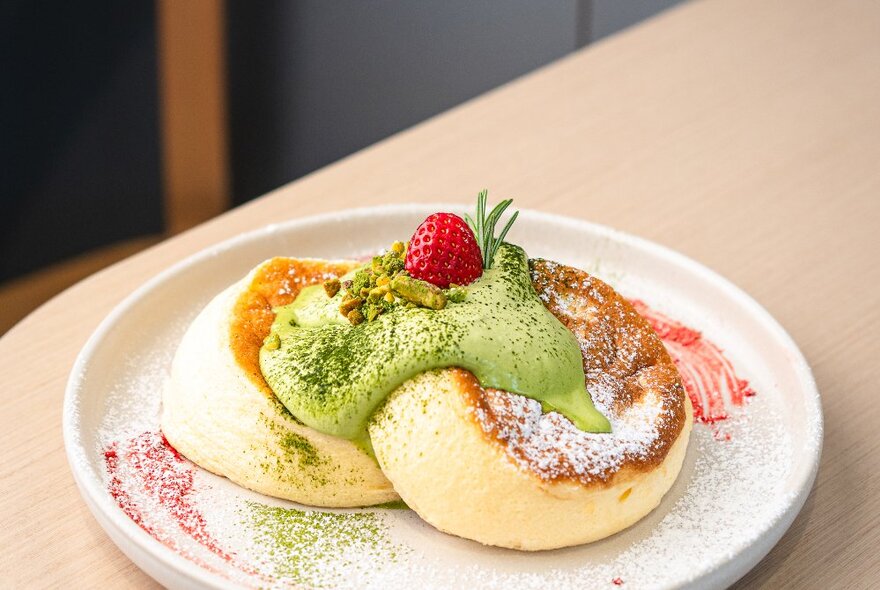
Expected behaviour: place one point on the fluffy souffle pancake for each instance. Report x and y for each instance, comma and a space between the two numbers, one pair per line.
219, 412
490, 466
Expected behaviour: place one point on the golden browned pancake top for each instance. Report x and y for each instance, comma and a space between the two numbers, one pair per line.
276, 282
629, 375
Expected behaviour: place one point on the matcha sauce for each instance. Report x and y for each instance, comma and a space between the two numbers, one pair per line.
332, 376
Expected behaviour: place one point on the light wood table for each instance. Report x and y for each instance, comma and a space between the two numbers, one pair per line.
745, 134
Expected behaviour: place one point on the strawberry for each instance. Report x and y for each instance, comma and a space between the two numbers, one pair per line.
443, 250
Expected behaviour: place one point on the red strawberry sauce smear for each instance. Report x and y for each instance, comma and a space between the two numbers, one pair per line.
707, 375
151, 481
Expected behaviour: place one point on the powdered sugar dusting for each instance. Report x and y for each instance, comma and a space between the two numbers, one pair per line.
551, 446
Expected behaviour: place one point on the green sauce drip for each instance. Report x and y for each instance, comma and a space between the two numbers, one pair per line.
332, 376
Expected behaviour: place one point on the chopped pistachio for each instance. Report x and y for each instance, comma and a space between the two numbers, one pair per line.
393, 265
350, 305
370, 290
331, 287
355, 317
455, 294
361, 280
273, 342
419, 292
379, 292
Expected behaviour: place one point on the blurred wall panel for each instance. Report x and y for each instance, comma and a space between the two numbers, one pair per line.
610, 16
312, 81
79, 165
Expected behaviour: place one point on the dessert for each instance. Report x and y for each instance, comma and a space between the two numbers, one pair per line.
516, 402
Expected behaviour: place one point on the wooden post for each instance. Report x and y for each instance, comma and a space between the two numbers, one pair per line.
193, 123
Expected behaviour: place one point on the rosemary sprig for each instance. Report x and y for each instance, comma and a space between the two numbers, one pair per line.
483, 226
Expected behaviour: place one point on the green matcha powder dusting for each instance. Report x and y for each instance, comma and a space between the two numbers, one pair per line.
318, 549
332, 375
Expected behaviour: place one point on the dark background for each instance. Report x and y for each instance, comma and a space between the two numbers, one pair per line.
309, 82
79, 142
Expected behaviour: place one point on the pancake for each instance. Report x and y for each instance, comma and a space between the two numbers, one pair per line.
490, 466
219, 412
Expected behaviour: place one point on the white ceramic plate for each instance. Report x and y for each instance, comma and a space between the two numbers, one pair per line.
744, 480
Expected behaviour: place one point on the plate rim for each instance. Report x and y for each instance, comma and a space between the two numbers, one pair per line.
145, 548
